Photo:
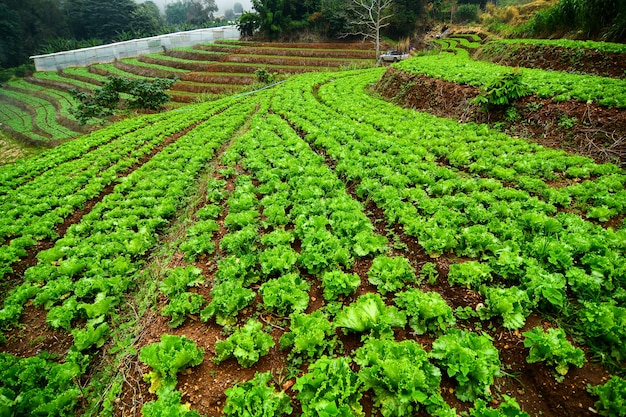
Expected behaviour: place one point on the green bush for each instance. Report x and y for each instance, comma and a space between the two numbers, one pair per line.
466, 13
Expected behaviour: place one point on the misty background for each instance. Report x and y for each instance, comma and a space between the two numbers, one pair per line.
222, 5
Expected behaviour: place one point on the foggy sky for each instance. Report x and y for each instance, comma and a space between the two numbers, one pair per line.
222, 4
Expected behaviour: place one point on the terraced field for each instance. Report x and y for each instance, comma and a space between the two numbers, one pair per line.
36, 109
312, 249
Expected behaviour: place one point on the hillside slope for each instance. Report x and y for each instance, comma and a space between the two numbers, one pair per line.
195, 221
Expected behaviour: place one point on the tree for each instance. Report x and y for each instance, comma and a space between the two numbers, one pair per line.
146, 19
176, 13
406, 14
106, 19
238, 9
193, 12
105, 101
229, 15
369, 17
248, 24
272, 19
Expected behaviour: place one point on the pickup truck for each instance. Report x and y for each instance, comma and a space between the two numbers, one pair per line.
393, 56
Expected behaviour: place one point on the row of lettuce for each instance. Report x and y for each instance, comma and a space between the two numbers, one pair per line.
295, 201
39, 194
559, 86
86, 275
298, 198
532, 251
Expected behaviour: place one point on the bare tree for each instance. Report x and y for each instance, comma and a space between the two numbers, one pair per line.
370, 17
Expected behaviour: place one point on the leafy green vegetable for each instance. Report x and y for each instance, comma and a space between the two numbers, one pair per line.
168, 404
509, 303
366, 243
369, 313
279, 259
181, 305
330, 388
507, 408
471, 359
429, 273
390, 274
337, 283
427, 311
400, 375
286, 294
168, 357
611, 397
95, 333
605, 324
310, 334
255, 398
553, 348
469, 274
179, 279
227, 299
241, 242
246, 344
38, 385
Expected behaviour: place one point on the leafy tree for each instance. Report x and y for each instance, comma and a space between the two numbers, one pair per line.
105, 101
272, 18
229, 15
238, 8
176, 13
248, 24
405, 15
596, 18
26, 25
105, 20
194, 12
146, 19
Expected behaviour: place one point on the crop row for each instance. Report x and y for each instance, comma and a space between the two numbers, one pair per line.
518, 240
555, 85
45, 114
484, 151
609, 47
34, 209
85, 276
61, 101
291, 228
19, 121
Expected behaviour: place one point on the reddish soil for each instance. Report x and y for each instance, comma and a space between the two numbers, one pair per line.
146, 72
597, 131
216, 78
305, 52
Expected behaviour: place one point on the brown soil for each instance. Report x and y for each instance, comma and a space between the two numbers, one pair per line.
215, 78
304, 52
145, 72
299, 45
597, 131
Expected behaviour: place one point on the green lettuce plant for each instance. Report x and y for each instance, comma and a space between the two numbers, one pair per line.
256, 398
427, 311
471, 359
247, 344
552, 347
330, 388
400, 375
310, 335
370, 314
286, 294
390, 273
